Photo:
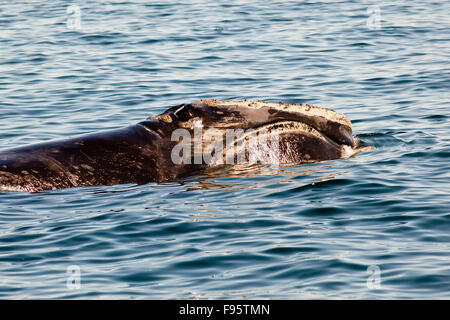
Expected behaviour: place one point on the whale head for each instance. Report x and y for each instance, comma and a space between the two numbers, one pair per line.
304, 133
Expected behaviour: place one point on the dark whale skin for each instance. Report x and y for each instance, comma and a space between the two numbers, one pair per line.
128, 155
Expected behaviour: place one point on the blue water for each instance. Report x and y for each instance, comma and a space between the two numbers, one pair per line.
305, 232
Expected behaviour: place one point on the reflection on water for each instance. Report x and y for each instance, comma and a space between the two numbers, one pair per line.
214, 179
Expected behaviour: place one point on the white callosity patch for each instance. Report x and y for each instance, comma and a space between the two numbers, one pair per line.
347, 151
251, 114
305, 109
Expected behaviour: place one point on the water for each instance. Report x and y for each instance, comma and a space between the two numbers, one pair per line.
309, 231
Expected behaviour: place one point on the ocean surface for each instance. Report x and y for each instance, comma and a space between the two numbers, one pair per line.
374, 226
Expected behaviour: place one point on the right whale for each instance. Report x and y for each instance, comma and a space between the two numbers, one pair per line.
182, 141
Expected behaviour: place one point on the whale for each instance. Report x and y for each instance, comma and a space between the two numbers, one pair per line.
181, 142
